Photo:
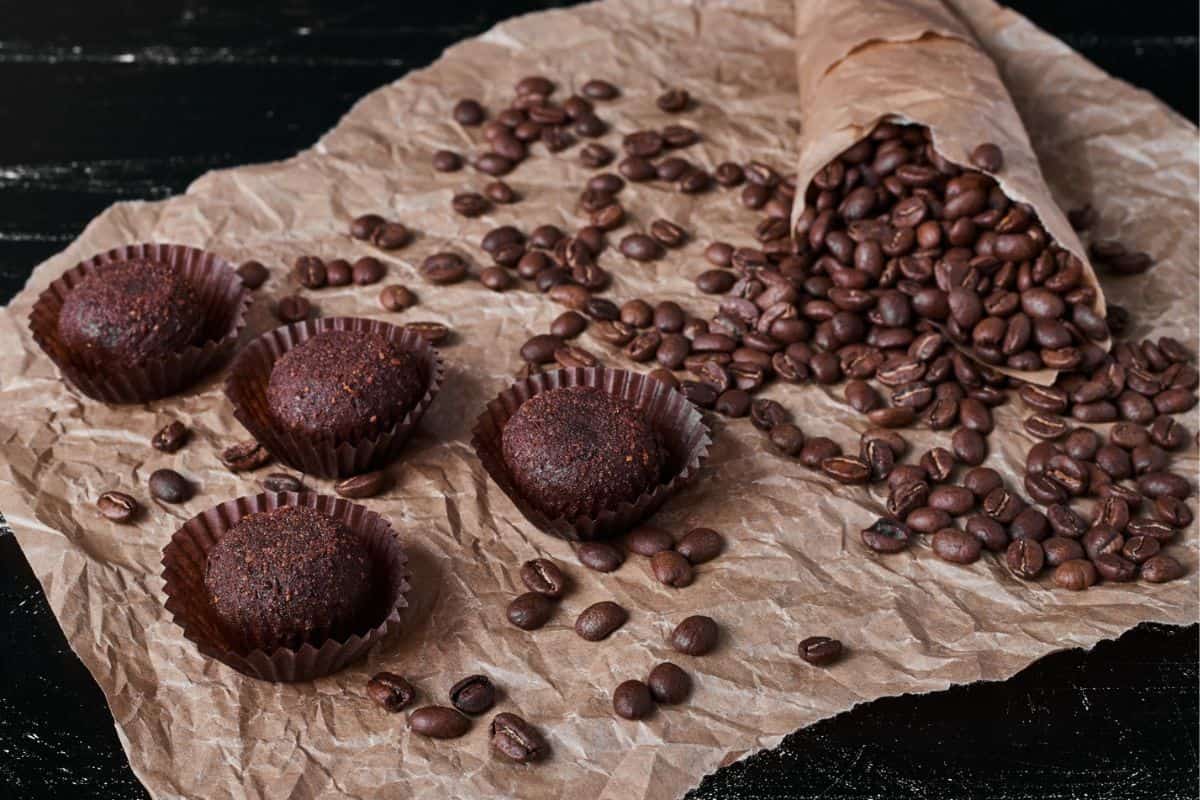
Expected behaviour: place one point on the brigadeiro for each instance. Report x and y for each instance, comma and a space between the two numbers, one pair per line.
576, 450
130, 313
285, 577
341, 380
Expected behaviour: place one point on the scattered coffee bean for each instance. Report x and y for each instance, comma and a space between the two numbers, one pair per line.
700, 545
1025, 558
391, 236
544, 577
955, 546
632, 700
433, 332
1161, 569
669, 684
988, 157
444, 268
338, 272
169, 486
253, 274
117, 506
438, 722
599, 556
171, 437
310, 272
292, 308
390, 691
640, 247
245, 456
516, 739
447, 161
647, 540
396, 298
672, 569
1076, 575
356, 487
282, 482
887, 536
820, 651
530, 611
695, 636
474, 694
599, 620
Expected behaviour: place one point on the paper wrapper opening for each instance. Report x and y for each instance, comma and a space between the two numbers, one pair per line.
186, 555
917, 61
223, 296
680, 426
361, 450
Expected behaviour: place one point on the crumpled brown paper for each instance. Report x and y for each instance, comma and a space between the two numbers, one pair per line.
794, 565
915, 61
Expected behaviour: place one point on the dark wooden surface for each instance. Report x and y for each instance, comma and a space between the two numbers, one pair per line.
132, 99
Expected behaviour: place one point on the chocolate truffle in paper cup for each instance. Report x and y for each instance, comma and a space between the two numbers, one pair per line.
588, 453
141, 322
285, 587
334, 397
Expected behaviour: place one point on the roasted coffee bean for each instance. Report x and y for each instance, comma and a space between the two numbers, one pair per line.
632, 700
700, 394
928, 520
1059, 549
1158, 531
1082, 444
391, 236
672, 569
818, 449
544, 577
789, 439
569, 357
695, 636
530, 611
1114, 568
1102, 538
1002, 506
438, 722
169, 486
667, 233
568, 325
1160, 484
390, 691
846, 469
396, 298
644, 346
1039, 456
571, 295
969, 446
955, 546
637, 169
1113, 512
981, 481
444, 268
1161, 569
669, 684
700, 545
432, 332
640, 247
766, 414
861, 397
820, 651
991, 534
474, 694
171, 437
1076, 575
447, 161
338, 272
729, 174
244, 456
1068, 473
500, 192
282, 482
1046, 426
469, 204
1139, 549
887, 535
599, 620
1167, 433
367, 270
599, 90
733, 403
988, 157
1172, 511
1148, 458
1066, 522
310, 272
253, 274
599, 556
938, 463
516, 739
1047, 399
540, 349
367, 484
1029, 524
673, 100
117, 506
1025, 558
906, 497
496, 164
892, 417
1043, 490
954, 500
648, 540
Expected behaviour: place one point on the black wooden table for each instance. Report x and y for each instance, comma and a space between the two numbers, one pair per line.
133, 99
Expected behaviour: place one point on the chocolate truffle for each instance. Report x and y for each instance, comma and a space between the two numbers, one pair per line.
575, 451
284, 577
338, 381
130, 313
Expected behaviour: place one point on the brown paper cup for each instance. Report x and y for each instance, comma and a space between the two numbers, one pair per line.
225, 300
681, 427
362, 450
186, 556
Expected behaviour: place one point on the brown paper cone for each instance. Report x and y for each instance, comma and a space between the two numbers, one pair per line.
916, 61
225, 300
362, 450
186, 556
682, 428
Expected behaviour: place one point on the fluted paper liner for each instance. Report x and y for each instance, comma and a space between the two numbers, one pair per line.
793, 565
186, 556
221, 292
916, 61
332, 456
678, 424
